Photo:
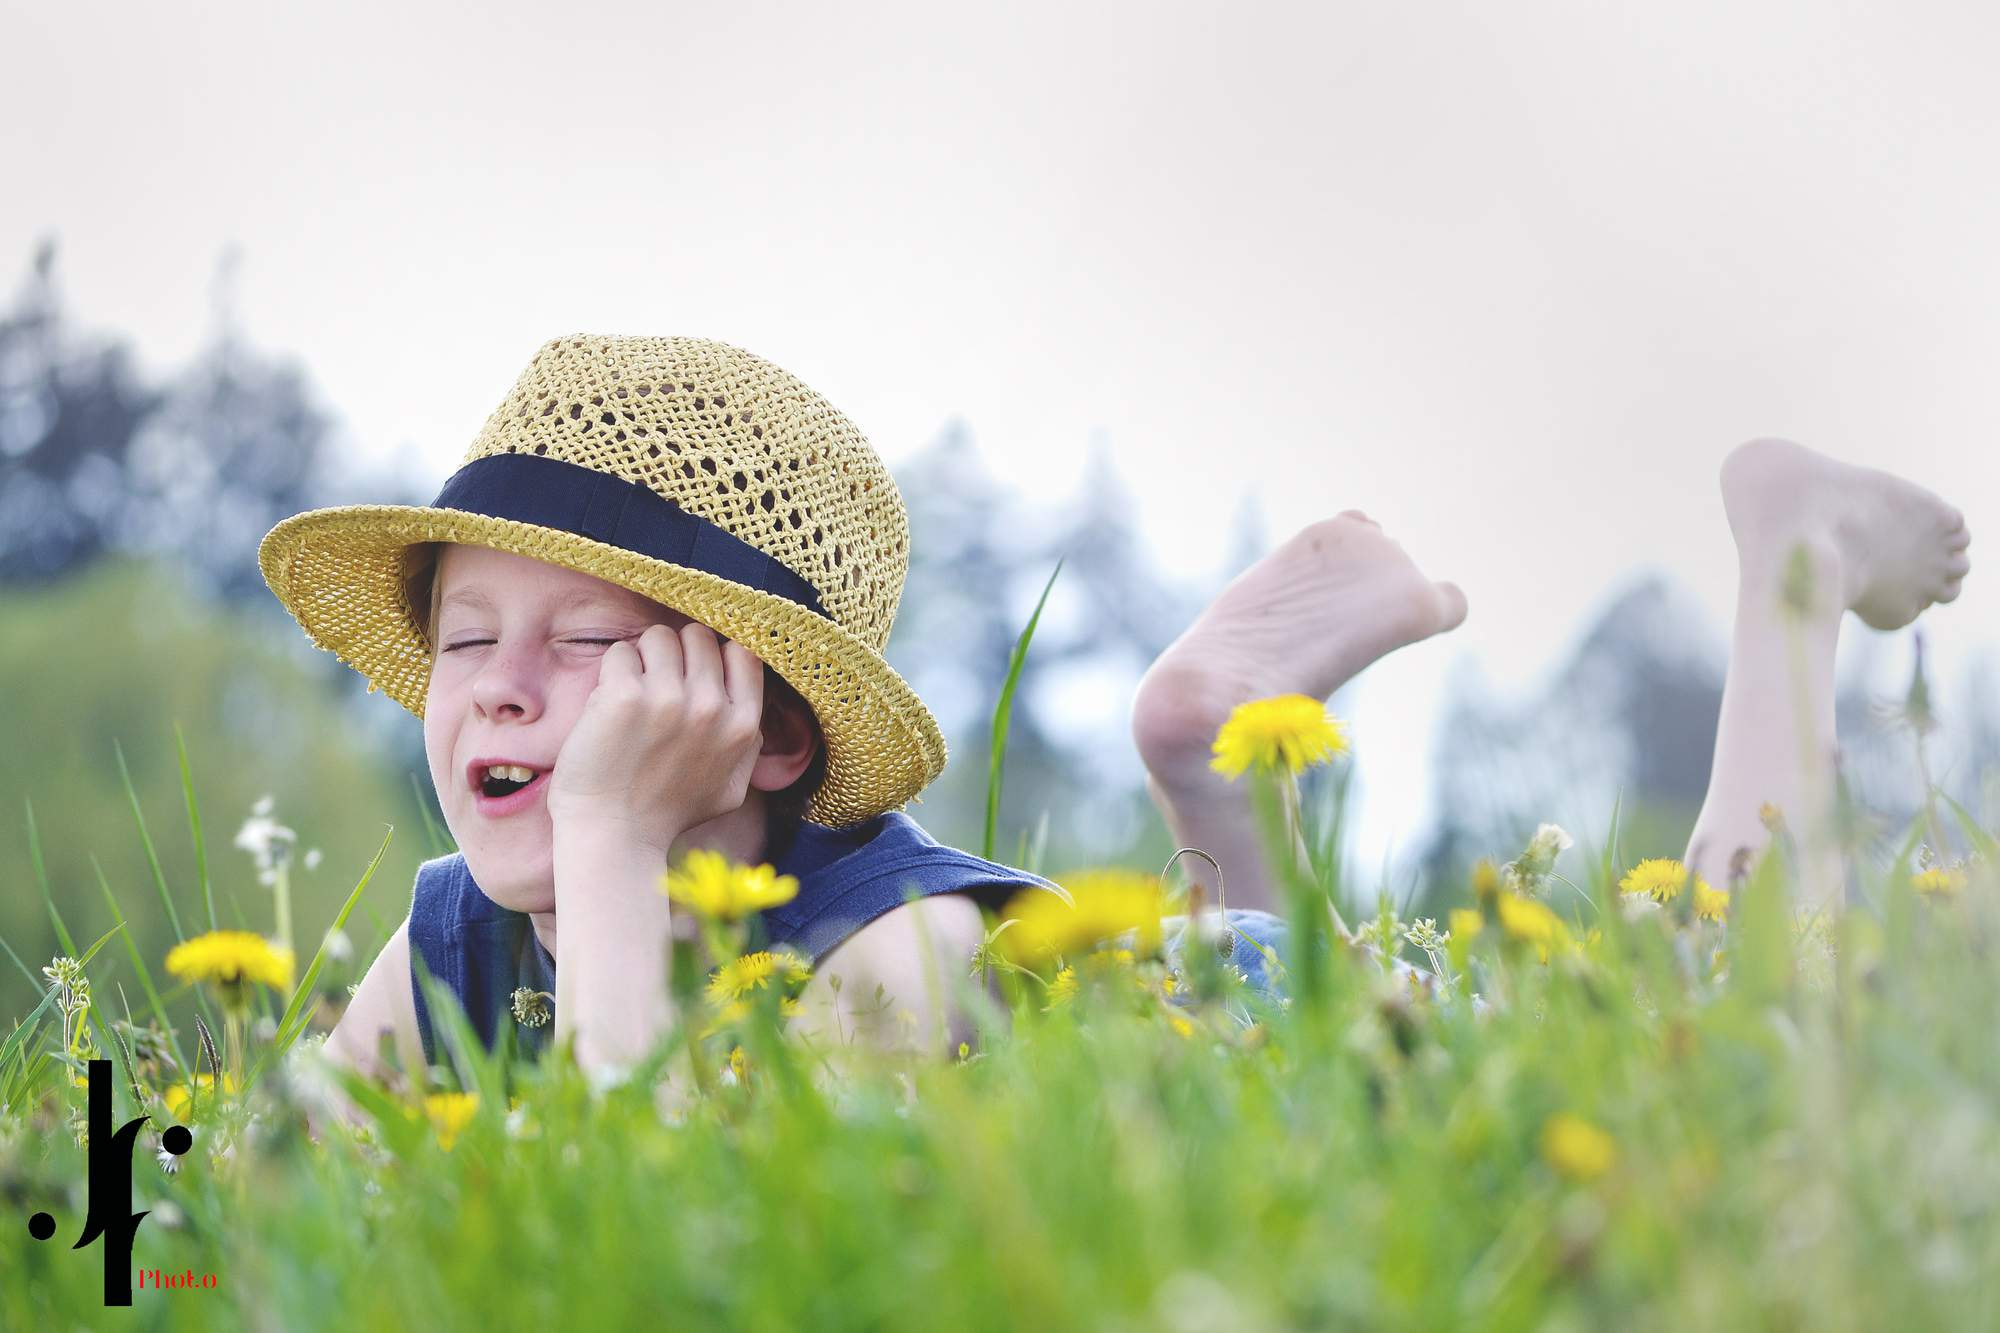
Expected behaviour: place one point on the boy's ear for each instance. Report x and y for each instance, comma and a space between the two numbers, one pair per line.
790, 741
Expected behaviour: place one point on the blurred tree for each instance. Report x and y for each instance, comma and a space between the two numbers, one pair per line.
69, 411
234, 445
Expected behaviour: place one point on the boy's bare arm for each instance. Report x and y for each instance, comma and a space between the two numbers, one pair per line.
895, 983
383, 1002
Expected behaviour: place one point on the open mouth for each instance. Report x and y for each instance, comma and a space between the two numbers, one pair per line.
502, 788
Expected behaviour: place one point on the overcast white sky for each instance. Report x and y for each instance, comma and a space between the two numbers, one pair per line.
1511, 278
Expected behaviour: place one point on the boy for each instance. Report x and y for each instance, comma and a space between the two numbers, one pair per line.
644, 533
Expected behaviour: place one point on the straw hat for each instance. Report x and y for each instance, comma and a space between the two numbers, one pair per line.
692, 473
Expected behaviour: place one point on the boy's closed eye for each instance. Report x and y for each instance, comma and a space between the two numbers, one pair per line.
467, 643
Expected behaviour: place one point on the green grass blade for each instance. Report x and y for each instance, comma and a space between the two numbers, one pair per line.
1980, 840
33, 980
194, 829
42, 879
20, 1035
139, 967
152, 856
440, 844
1003, 711
288, 1028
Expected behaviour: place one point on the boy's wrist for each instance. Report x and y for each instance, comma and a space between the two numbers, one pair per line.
601, 837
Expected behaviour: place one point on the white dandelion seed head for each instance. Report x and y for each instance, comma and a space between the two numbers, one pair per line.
338, 947
1550, 840
1637, 905
312, 858
169, 1162
266, 839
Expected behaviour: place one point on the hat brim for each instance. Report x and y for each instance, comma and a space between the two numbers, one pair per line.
339, 572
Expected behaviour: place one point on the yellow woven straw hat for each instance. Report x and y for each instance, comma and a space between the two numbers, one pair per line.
692, 473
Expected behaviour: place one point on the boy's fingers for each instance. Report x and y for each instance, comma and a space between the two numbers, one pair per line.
659, 650
620, 660
701, 654
744, 675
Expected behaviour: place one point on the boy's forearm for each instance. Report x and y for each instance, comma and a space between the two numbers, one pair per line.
612, 932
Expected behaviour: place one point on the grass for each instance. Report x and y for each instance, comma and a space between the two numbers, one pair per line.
1668, 1122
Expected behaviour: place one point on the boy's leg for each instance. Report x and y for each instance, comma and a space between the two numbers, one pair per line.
1873, 544
1303, 620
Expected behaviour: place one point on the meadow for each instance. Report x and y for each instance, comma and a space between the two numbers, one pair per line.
1627, 1099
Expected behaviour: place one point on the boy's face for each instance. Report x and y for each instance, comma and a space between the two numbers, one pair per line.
514, 663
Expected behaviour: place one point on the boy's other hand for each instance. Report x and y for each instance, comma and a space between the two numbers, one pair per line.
667, 739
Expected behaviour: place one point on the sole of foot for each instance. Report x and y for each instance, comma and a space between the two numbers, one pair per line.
1887, 547
1305, 619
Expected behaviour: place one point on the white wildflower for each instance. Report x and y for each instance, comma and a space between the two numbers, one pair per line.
338, 947
1529, 873
266, 840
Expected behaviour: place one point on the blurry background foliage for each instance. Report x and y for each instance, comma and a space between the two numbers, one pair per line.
130, 600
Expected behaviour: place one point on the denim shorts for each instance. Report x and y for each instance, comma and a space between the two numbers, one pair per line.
1251, 928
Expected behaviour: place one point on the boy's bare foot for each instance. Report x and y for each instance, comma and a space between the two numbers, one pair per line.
1887, 548
1303, 620
1877, 545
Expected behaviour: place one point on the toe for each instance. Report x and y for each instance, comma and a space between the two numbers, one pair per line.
1957, 566
1451, 606
1959, 540
1357, 514
1951, 590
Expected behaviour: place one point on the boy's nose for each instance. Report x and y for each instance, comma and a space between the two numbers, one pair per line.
509, 684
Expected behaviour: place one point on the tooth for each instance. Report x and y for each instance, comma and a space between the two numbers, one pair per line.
512, 772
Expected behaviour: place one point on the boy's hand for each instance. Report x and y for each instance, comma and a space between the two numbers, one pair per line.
667, 739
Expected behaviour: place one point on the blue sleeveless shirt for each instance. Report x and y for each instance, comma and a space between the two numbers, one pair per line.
847, 877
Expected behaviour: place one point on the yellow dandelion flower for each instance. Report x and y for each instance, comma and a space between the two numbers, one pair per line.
1465, 923
1531, 921
449, 1113
1179, 1023
1577, 1149
1938, 882
711, 885
1710, 904
177, 1096
1106, 903
1659, 878
754, 971
739, 1063
1063, 989
1485, 881
229, 960
1290, 733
